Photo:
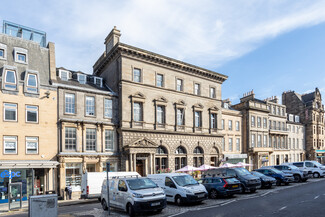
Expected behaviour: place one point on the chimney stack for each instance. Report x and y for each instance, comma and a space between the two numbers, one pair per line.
112, 39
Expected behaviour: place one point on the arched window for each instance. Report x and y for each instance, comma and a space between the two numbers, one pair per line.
161, 150
214, 160
161, 159
180, 159
198, 158
180, 150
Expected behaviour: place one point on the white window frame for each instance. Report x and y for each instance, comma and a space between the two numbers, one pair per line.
108, 108
237, 126
162, 81
17, 51
229, 124
32, 89
197, 119
72, 139
4, 48
180, 117
140, 112
140, 75
82, 75
88, 107
67, 73
181, 87
213, 121
65, 103
212, 95
197, 89
161, 113
10, 139
108, 140
100, 80
91, 140
4, 111
32, 139
10, 83
35, 109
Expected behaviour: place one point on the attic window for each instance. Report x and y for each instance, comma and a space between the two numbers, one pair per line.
10, 80
98, 81
21, 55
64, 75
32, 82
82, 78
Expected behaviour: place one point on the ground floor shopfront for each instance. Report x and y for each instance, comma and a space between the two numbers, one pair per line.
73, 165
148, 153
36, 177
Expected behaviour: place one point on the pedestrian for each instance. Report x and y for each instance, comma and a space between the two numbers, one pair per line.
69, 191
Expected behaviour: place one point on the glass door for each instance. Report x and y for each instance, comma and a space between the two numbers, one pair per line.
15, 196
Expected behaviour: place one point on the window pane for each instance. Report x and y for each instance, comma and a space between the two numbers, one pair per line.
31, 145
10, 112
10, 77
31, 113
91, 139
90, 105
70, 138
179, 86
160, 114
137, 75
160, 80
21, 57
69, 103
64, 75
31, 80
10, 144
137, 111
1, 53
108, 108
180, 117
109, 140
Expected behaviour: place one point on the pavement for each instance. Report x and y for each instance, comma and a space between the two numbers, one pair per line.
267, 197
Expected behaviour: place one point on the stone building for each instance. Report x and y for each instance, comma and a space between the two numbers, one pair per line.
255, 134
28, 111
87, 114
310, 109
231, 127
296, 139
278, 132
170, 111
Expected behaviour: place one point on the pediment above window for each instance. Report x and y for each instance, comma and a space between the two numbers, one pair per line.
161, 99
142, 143
180, 103
214, 108
198, 105
138, 95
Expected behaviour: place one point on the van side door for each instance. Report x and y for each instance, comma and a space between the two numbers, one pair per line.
112, 193
121, 194
170, 189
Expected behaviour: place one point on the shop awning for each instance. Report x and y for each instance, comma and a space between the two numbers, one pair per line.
12, 164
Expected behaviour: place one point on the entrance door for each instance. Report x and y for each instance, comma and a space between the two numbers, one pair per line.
140, 167
15, 196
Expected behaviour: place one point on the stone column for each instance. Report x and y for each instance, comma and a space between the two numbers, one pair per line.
153, 164
134, 162
146, 167
150, 163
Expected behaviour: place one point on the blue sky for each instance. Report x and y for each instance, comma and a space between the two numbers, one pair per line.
269, 46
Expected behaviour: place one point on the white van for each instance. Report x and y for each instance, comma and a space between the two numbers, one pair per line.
180, 187
133, 194
91, 182
313, 167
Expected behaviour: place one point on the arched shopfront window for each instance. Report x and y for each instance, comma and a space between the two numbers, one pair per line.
180, 158
161, 159
198, 158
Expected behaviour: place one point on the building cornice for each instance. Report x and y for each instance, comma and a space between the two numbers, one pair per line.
83, 89
127, 50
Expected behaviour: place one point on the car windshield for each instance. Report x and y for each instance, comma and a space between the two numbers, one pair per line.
242, 171
185, 180
317, 164
293, 167
258, 174
138, 184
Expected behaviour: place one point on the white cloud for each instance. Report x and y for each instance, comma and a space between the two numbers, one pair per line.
205, 33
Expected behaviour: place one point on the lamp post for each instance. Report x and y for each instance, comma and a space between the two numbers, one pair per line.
108, 165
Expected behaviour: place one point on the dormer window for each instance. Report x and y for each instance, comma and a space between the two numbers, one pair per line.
10, 80
21, 55
98, 81
3, 51
31, 82
82, 78
64, 75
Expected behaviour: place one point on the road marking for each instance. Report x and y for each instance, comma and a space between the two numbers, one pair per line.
316, 197
282, 208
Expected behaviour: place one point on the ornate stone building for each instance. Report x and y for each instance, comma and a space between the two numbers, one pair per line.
310, 109
169, 111
86, 127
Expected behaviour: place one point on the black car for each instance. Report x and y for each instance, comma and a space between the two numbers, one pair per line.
266, 181
247, 180
218, 186
280, 177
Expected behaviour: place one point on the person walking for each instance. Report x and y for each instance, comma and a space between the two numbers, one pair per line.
68, 191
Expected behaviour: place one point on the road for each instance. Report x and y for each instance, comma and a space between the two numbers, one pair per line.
304, 200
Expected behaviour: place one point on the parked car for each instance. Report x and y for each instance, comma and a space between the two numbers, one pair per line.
133, 195
313, 167
247, 180
266, 181
299, 175
221, 186
280, 177
180, 187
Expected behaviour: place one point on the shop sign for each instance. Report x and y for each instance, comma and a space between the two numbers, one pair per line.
7, 174
265, 158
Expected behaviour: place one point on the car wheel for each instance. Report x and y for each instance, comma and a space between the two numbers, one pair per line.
316, 175
130, 210
242, 189
213, 194
253, 190
297, 178
178, 200
104, 205
278, 182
